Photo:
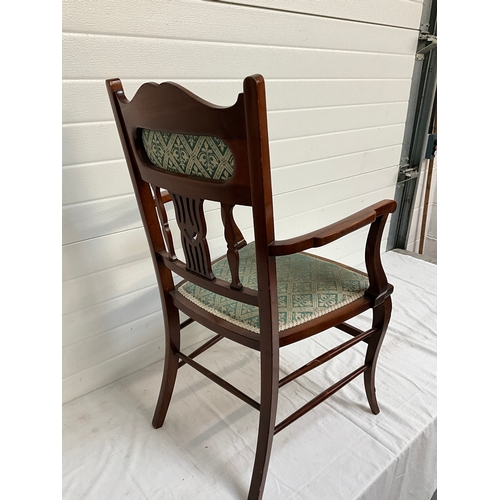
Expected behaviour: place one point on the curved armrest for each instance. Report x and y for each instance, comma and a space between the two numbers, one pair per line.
333, 231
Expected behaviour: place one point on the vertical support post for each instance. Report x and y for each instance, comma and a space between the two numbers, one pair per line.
262, 206
381, 317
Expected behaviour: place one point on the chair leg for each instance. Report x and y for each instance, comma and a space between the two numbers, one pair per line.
172, 345
381, 316
267, 421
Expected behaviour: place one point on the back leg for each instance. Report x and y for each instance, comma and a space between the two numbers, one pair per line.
381, 316
172, 345
267, 420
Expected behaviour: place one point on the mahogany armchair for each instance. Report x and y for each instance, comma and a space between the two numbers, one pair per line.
175, 141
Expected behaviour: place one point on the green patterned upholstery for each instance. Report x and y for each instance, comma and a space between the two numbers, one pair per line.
308, 287
196, 155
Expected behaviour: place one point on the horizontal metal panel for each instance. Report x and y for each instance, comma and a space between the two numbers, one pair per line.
303, 149
87, 322
97, 349
95, 219
112, 369
305, 122
311, 173
95, 181
93, 289
90, 143
98, 142
322, 195
98, 254
219, 22
309, 93
311, 220
101, 57
402, 13
82, 355
87, 100
98, 218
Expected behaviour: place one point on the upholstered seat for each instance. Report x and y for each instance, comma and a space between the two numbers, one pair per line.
308, 287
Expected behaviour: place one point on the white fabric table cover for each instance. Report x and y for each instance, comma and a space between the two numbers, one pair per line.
338, 451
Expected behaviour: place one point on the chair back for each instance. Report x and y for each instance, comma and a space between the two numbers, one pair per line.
175, 141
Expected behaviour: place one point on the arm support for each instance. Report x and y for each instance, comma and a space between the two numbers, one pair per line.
333, 231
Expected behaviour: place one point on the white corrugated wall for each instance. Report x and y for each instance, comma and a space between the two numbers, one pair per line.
338, 77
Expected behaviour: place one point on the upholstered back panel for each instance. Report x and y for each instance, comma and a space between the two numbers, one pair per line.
194, 155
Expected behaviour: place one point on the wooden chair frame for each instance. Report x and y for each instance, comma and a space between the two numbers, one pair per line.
243, 127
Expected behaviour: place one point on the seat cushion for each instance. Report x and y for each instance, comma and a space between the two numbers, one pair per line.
308, 287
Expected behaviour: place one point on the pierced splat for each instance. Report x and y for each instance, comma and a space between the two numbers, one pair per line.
162, 215
193, 228
235, 242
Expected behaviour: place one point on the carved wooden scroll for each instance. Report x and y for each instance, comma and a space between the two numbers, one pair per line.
235, 241
193, 228
162, 215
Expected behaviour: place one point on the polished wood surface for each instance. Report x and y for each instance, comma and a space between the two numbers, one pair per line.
243, 127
